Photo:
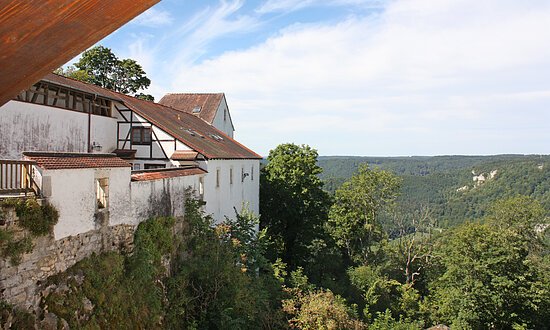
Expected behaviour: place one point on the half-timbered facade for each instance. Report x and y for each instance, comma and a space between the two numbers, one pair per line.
64, 115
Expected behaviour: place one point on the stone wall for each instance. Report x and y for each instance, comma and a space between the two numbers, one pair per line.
21, 284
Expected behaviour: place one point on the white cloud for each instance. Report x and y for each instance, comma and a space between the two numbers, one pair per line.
271, 6
154, 17
206, 27
423, 77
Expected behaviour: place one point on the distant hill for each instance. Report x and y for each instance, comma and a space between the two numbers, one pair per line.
445, 184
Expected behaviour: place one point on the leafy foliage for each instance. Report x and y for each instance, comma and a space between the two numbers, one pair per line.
37, 219
311, 308
490, 279
12, 317
399, 269
124, 292
217, 285
353, 219
432, 182
100, 66
293, 204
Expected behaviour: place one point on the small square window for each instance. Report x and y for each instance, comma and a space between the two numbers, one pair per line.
141, 135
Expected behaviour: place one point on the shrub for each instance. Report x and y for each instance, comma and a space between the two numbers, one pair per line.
37, 219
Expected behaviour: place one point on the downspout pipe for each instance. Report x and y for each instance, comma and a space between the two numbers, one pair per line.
90, 124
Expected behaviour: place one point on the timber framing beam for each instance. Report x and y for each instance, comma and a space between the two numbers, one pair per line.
38, 36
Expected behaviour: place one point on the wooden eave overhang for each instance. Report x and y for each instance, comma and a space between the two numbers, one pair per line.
38, 36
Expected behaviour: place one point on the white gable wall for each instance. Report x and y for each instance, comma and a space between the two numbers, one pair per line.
222, 120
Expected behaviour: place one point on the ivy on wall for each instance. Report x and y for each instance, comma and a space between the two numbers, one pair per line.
37, 220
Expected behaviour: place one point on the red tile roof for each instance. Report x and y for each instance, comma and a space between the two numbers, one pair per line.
208, 103
187, 128
190, 130
38, 36
58, 161
184, 155
166, 173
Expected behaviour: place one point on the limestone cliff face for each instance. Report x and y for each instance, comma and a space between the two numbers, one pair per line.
479, 180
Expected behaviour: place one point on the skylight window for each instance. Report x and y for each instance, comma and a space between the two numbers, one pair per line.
197, 109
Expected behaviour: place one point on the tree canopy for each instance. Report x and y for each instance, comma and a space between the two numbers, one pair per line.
100, 66
353, 219
293, 203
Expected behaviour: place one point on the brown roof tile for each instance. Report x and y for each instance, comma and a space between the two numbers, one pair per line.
166, 173
187, 102
191, 130
58, 161
187, 128
184, 155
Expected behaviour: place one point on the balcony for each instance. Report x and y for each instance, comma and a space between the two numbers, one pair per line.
16, 178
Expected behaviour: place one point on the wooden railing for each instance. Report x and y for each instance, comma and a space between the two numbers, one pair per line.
16, 177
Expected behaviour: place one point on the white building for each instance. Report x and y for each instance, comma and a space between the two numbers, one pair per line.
212, 108
159, 142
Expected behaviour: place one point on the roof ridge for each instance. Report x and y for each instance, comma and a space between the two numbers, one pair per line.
95, 86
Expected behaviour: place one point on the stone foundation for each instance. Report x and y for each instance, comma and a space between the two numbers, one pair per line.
20, 284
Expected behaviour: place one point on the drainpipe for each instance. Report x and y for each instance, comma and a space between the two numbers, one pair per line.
90, 124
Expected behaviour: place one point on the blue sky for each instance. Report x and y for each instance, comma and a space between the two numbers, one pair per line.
359, 77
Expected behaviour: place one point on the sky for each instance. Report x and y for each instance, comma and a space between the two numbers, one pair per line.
358, 77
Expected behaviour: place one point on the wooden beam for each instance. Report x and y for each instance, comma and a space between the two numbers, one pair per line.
39, 36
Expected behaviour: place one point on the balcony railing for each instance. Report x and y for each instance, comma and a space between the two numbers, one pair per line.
16, 178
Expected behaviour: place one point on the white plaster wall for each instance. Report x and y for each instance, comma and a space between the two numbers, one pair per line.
28, 127
104, 133
74, 196
221, 200
161, 197
32, 127
219, 122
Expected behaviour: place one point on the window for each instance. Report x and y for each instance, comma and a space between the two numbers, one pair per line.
201, 187
136, 167
141, 135
224, 114
231, 175
252, 173
154, 166
242, 174
217, 178
102, 193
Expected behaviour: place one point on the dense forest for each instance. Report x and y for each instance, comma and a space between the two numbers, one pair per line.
395, 244
444, 186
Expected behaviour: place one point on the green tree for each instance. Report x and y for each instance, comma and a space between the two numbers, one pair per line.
491, 276
100, 66
293, 204
353, 218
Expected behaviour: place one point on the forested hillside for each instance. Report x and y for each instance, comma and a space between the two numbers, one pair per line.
350, 260
444, 186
